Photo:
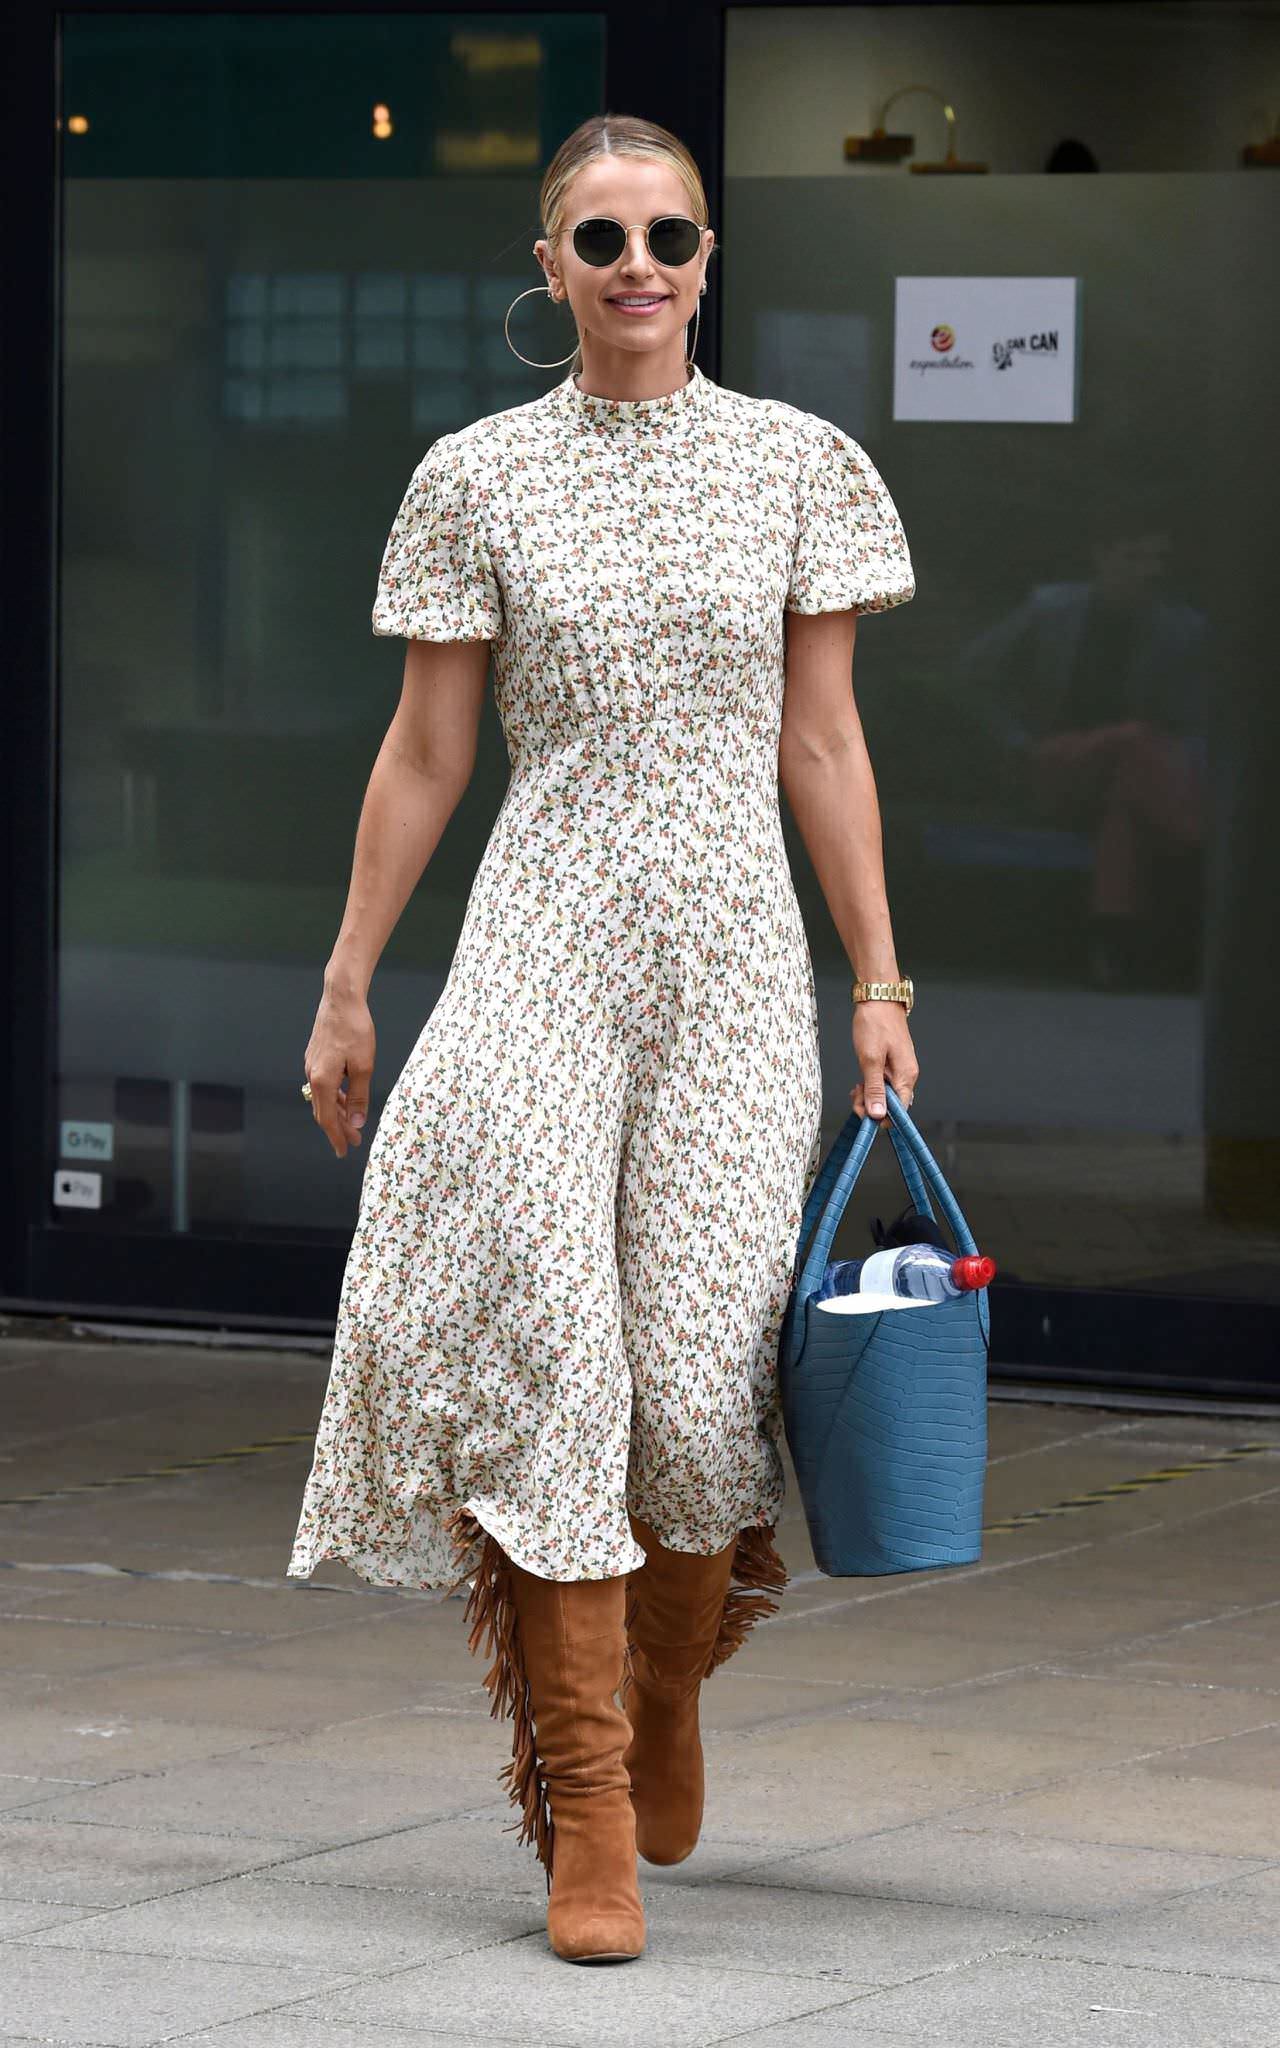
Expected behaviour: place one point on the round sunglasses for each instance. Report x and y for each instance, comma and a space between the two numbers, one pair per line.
672, 239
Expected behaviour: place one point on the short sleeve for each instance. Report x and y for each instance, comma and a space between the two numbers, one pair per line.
437, 581
850, 548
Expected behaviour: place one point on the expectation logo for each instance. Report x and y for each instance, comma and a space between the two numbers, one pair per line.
1003, 352
942, 340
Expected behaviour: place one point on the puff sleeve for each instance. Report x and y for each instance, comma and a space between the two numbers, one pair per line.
850, 548
437, 580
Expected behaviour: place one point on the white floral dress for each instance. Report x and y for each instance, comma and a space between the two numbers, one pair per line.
581, 1203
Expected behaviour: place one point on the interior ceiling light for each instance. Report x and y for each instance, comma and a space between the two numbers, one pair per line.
495, 149
481, 53
882, 148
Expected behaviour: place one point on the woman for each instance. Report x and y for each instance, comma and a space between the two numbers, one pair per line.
554, 1371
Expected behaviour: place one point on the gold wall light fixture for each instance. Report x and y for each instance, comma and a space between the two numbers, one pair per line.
882, 148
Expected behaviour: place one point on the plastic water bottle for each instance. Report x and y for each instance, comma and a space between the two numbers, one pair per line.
920, 1271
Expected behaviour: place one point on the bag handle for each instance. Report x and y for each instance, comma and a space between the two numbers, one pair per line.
835, 1158
831, 1190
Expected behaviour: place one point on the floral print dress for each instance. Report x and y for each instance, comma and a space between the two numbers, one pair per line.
581, 1203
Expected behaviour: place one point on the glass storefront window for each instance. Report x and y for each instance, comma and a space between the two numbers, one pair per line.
289, 244
1074, 723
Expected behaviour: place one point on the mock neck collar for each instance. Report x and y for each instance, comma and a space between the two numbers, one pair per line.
669, 406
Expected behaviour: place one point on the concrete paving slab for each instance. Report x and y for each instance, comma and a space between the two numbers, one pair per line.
854, 1649
1094, 1705
1006, 2001
132, 2000
93, 1750
1152, 1808
855, 1941
418, 1740
953, 1863
754, 1701
20, 1599
1236, 1651
464, 1855
1224, 1929
263, 1611
1250, 1758
406, 1646
279, 2030
255, 1795
1013, 1605
320, 1927
815, 1775
1024, 1428
477, 1852
1217, 1586
771, 1813
527, 1993
49, 1649
837, 2026
19, 1916
78, 1863
255, 1699
31, 1789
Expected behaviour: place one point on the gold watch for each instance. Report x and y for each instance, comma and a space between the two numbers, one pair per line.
885, 992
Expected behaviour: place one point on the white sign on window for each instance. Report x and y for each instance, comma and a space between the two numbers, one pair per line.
87, 1141
985, 348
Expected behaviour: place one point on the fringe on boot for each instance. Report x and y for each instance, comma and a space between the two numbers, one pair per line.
758, 1574
491, 1610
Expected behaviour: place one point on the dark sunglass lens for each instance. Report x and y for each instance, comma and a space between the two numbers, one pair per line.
599, 241
674, 240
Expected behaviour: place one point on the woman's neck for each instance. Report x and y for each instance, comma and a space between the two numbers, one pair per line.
618, 374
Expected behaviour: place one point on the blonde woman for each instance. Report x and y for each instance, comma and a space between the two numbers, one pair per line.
555, 1367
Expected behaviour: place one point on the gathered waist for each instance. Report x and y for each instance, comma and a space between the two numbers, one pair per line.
737, 741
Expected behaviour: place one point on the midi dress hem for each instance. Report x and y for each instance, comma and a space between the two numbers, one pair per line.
491, 1522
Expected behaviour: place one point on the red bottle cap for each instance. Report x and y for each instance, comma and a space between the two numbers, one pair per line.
973, 1269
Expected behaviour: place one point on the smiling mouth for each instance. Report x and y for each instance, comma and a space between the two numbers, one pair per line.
637, 298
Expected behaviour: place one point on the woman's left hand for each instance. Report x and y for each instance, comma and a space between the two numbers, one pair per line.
884, 1050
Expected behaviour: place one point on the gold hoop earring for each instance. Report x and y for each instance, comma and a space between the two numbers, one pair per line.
507, 331
697, 316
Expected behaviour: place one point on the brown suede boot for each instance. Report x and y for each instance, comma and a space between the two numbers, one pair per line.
684, 1617
560, 1647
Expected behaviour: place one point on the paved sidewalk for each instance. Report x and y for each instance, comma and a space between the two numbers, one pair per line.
1035, 1799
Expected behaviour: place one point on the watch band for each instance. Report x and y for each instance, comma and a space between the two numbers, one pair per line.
885, 992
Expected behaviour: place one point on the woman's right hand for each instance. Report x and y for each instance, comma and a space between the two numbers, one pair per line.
338, 1063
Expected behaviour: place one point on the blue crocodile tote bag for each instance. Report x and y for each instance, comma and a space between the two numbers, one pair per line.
885, 1413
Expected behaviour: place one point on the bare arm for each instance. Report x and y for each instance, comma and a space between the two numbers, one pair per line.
826, 773
423, 766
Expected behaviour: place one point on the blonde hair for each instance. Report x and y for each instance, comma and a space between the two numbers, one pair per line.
615, 135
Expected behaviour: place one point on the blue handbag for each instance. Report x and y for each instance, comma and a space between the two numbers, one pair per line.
885, 1413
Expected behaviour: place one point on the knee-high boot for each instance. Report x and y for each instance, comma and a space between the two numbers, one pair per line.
560, 1646
685, 1616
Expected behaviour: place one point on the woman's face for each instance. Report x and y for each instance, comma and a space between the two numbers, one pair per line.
636, 193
